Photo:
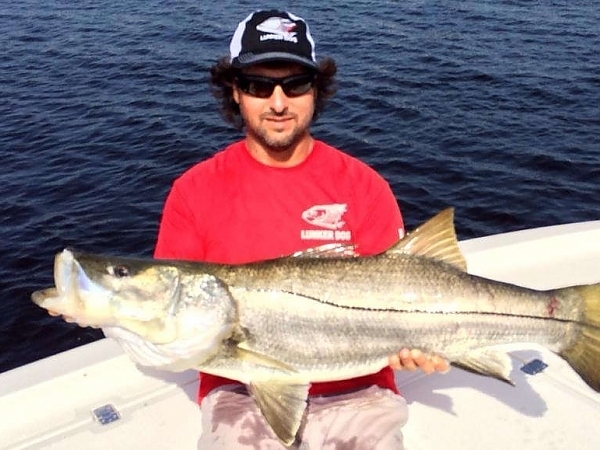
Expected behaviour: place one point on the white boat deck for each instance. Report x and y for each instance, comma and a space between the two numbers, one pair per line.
48, 404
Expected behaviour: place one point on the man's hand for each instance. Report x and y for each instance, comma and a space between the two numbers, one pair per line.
414, 359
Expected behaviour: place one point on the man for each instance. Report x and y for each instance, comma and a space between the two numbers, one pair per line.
275, 192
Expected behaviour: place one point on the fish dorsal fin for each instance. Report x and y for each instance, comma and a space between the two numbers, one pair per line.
435, 239
282, 405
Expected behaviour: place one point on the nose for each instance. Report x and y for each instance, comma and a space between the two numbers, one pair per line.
278, 100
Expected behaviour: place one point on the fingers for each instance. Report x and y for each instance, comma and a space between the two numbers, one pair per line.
407, 359
404, 359
440, 364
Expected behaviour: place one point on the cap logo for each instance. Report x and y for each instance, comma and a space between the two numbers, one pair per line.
278, 29
266, 36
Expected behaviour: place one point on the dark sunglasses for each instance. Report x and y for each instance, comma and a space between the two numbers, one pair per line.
263, 87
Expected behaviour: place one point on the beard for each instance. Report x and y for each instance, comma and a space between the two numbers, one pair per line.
278, 141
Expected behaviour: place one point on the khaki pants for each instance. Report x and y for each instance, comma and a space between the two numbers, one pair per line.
368, 419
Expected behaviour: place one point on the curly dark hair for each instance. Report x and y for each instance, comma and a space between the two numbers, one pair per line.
222, 77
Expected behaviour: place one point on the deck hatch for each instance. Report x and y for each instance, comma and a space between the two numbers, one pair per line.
106, 414
534, 366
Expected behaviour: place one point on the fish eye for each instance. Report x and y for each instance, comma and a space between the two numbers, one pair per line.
120, 271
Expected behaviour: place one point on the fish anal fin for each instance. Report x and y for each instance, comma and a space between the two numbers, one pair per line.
435, 239
282, 405
487, 362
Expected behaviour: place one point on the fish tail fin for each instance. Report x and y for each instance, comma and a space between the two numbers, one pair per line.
584, 354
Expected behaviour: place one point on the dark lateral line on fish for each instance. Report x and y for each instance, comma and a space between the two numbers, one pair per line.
480, 313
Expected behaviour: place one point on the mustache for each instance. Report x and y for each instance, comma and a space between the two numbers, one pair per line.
278, 115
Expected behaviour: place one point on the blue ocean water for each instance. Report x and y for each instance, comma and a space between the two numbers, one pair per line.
490, 106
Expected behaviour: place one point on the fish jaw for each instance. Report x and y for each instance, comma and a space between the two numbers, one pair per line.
75, 297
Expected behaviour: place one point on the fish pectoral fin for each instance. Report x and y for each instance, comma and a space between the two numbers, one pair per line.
259, 359
282, 405
487, 362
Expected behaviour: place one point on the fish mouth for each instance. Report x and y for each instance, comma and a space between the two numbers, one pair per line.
64, 268
39, 297
72, 293
70, 278
65, 273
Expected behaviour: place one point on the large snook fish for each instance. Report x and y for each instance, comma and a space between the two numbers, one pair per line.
320, 315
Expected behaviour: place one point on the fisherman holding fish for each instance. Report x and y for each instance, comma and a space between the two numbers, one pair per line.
256, 282
276, 192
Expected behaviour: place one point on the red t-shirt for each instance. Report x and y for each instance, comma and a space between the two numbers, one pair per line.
232, 209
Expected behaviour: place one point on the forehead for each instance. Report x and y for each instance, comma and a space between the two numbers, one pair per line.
275, 69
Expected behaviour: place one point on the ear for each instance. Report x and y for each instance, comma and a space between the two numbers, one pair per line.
236, 94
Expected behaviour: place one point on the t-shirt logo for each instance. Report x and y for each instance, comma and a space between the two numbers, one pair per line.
326, 216
278, 28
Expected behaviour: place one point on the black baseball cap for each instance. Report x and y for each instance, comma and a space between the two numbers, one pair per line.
266, 36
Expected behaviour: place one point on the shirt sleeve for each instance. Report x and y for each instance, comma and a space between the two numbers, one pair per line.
178, 236
382, 225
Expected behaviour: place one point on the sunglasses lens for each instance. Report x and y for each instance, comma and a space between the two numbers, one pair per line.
263, 87
255, 86
296, 86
